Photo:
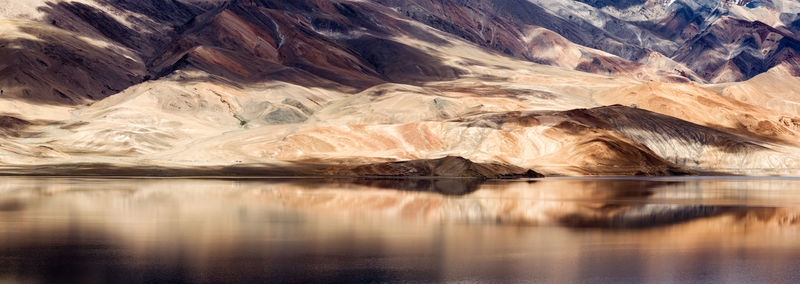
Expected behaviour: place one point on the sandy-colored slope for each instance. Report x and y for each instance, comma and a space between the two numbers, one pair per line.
159, 116
547, 47
705, 107
711, 131
698, 147
502, 111
240, 95
775, 90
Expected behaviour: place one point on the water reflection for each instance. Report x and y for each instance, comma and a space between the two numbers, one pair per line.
299, 230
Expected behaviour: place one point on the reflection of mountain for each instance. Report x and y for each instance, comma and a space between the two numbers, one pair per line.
173, 230
561, 202
570, 203
181, 84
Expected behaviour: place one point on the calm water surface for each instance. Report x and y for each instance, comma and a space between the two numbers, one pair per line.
84, 230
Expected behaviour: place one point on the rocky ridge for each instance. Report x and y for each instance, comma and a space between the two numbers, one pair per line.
558, 88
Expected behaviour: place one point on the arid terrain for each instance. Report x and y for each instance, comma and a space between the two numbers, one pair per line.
479, 88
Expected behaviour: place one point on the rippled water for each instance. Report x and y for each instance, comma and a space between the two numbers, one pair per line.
84, 230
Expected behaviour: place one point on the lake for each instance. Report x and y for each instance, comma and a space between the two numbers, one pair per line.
301, 230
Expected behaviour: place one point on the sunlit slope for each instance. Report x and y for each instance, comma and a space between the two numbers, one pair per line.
268, 84
504, 110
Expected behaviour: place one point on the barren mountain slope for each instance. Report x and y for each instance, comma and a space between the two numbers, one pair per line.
342, 87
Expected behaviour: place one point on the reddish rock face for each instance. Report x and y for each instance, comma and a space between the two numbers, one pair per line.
353, 45
339, 44
370, 83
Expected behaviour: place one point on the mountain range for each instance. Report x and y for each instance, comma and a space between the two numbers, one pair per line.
489, 88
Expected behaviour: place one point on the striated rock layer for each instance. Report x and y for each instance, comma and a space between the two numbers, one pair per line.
486, 89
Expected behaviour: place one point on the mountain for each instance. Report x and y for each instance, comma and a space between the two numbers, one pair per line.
646, 87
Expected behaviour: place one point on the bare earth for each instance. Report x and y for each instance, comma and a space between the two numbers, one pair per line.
108, 113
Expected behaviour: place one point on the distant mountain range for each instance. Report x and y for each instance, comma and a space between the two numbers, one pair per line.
560, 87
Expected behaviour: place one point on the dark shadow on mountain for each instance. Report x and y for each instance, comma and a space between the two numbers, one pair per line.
397, 62
323, 52
677, 26
71, 68
103, 23
64, 70
795, 25
145, 35
504, 21
620, 118
12, 126
317, 54
619, 4
707, 52
162, 11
